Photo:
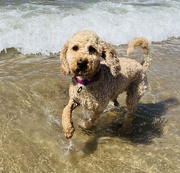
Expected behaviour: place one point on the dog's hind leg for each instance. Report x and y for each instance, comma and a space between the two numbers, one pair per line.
134, 94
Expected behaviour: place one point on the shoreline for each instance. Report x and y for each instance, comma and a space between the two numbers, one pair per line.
170, 40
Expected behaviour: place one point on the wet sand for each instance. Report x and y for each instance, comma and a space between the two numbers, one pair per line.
33, 94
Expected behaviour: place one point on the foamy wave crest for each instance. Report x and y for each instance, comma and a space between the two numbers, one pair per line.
34, 28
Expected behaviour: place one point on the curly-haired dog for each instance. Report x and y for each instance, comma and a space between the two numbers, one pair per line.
100, 76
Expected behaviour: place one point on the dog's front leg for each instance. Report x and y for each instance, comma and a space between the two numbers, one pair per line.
88, 123
67, 123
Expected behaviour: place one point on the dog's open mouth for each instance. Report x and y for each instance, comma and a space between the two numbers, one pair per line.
80, 72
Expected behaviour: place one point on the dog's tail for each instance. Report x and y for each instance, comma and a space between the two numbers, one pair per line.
145, 45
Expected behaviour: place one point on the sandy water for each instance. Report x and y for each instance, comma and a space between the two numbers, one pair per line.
33, 94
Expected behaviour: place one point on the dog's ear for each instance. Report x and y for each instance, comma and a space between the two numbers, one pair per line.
110, 56
64, 67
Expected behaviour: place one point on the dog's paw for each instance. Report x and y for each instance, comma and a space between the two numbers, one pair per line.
68, 132
126, 130
87, 125
127, 126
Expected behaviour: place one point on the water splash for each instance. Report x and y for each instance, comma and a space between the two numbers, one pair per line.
41, 28
67, 147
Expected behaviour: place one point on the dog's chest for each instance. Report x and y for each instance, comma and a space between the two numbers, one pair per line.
89, 97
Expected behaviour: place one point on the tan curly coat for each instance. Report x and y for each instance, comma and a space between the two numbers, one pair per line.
88, 57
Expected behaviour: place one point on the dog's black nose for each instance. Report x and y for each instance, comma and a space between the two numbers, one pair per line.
82, 64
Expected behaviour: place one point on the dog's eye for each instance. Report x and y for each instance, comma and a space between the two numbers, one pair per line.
75, 48
92, 50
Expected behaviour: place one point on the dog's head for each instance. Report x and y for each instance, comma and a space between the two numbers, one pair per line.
83, 53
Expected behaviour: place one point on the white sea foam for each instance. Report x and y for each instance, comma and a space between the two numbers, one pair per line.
39, 28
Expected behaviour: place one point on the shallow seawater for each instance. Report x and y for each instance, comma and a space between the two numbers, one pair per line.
33, 94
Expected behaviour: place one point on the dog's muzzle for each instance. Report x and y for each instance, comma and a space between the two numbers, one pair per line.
82, 65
